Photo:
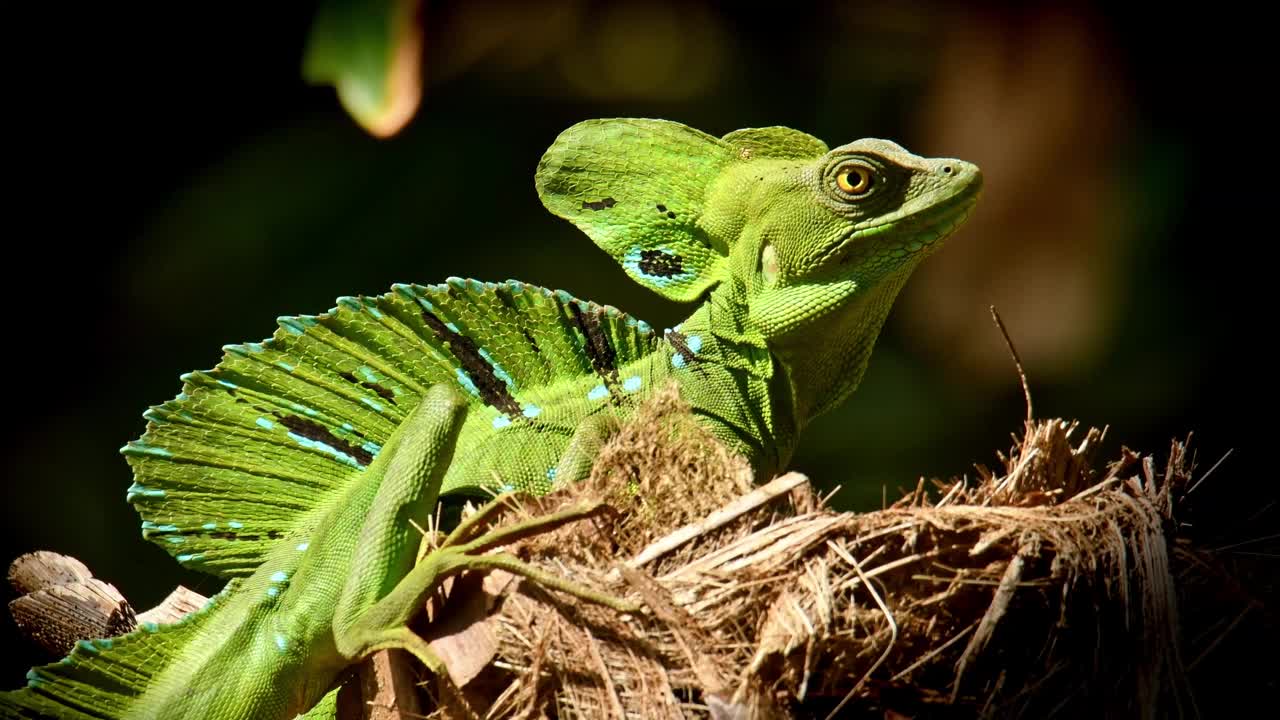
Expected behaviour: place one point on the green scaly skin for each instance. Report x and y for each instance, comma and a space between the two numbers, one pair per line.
298, 465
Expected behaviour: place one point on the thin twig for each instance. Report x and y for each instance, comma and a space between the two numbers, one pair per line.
739, 507
1017, 360
1209, 472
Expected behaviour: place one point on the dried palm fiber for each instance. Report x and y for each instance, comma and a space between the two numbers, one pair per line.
1044, 586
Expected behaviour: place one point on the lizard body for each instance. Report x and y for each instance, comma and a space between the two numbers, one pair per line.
298, 464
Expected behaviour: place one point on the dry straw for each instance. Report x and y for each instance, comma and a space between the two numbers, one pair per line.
1039, 588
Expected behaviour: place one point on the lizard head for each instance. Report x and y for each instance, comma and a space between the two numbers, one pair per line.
811, 237
822, 245
808, 246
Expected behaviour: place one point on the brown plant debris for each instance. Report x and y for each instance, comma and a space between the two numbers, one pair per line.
1042, 587
1047, 587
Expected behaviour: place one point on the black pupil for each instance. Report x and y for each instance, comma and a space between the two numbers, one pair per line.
856, 179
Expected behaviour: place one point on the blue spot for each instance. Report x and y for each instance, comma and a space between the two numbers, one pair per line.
348, 427
465, 381
694, 342
643, 326
677, 327
677, 360
506, 488
373, 311
372, 447
235, 525
210, 526
551, 473
515, 286
632, 383
33, 678
376, 407
136, 491
87, 646
229, 385
138, 447
497, 370
349, 302
564, 297
279, 576
631, 261
327, 449
532, 411
147, 525
302, 409
453, 328
189, 557
284, 366
475, 285
598, 392
291, 324
175, 539
367, 373
303, 546
500, 422
150, 626
264, 423
281, 642
104, 643
273, 591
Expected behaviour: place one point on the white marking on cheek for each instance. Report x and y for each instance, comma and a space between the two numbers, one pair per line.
769, 263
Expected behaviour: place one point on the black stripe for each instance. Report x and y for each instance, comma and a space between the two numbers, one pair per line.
599, 350
492, 390
681, 344
313, 430
383, 392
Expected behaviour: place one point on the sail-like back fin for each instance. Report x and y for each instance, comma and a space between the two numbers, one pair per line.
260, 447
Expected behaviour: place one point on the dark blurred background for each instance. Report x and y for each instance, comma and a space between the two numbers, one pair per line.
185, 187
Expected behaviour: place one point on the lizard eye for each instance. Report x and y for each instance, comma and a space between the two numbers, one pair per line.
854, 179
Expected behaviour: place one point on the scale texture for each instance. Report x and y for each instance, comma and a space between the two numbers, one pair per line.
298, 466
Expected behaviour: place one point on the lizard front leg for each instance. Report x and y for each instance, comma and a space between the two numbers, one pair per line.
589, 437
376, 604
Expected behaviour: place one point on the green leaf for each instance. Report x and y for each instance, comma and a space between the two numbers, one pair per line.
371, 52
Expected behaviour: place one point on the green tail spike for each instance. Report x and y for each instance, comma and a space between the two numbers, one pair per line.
256, 449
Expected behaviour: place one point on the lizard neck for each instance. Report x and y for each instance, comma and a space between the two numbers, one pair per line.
732, 382
824, 362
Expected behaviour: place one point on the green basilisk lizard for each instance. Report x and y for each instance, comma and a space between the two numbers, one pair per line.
298, 465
